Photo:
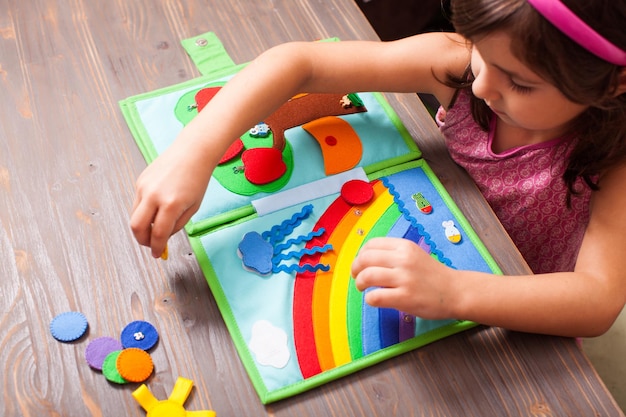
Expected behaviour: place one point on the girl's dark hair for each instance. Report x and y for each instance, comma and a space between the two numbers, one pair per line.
582, 77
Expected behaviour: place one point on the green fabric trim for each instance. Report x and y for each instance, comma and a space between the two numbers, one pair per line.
133, 119
229, 318
212, 61
216, 222
366, 361
391, 113
414, 152
208, 53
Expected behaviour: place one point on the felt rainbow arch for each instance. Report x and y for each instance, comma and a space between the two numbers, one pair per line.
333, 325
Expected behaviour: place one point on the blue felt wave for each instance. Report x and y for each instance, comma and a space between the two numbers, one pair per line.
277, 233
407, 215
290, 269
297, 254
299, 239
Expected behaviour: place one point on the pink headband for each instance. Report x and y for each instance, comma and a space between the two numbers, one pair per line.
577, 30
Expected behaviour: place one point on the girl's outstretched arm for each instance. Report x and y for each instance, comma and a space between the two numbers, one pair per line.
170, 189
585, 302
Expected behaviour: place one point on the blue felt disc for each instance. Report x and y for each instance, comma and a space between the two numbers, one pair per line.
139, 334
68, 326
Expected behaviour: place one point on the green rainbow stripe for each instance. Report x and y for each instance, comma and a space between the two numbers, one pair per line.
355, 297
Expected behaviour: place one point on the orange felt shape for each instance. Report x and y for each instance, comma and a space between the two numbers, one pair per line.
134, 364
263, 165
341, 146
304, 108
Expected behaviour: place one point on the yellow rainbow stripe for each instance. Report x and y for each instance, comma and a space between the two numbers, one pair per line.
338, 315
323, 280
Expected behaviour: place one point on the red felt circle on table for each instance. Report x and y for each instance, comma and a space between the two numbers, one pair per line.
357, 192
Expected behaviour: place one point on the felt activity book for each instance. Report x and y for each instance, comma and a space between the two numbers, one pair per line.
286, 212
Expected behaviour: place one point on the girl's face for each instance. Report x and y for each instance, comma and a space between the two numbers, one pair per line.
517, 95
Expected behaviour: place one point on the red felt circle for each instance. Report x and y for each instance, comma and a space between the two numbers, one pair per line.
205, 95
263, 165
357, 192
330, 140
232, 152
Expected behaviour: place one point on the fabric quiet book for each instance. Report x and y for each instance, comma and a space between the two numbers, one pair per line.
285, 213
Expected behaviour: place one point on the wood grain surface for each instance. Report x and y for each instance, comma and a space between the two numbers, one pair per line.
67, 169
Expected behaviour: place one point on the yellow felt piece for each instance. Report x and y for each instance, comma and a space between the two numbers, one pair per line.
323, 281
341, 146
201, 413
341, 280
167, 408
181, 390
173, 406
321, 292
145, 398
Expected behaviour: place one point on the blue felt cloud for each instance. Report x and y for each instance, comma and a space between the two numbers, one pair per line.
256, 253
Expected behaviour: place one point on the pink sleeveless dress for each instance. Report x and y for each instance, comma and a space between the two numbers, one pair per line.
524, 186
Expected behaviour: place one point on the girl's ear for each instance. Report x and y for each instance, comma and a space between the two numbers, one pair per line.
621, 87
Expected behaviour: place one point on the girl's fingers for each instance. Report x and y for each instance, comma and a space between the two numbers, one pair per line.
384, 298
162, 228
381, 252
375, 276
383, 243
141, 222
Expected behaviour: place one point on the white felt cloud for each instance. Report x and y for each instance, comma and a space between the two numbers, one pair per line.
269, 344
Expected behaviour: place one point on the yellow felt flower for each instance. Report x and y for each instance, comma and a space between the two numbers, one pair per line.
173, 406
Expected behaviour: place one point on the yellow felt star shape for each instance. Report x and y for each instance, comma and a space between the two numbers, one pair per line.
173, 406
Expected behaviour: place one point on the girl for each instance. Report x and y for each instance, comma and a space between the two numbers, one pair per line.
532, 107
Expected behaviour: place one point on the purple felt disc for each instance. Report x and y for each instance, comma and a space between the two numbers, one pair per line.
99, 348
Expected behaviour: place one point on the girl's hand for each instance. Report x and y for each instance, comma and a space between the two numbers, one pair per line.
168, 192
410, 280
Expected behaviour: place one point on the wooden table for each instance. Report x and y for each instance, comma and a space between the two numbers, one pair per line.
67, 170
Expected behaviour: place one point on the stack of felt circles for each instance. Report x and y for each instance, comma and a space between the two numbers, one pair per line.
125, 360
127, 365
